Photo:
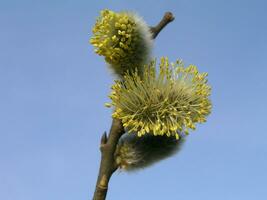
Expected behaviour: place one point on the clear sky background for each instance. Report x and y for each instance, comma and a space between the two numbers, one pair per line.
53, 89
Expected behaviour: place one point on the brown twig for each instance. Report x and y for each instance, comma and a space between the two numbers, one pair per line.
108, 144
167, 18
107, 165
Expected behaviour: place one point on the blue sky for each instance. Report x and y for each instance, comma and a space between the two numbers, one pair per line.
53, 89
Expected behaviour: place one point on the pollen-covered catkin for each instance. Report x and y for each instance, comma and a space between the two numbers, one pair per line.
170, 102
124, 39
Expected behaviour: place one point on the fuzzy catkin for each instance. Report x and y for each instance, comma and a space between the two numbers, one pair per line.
135, 152
165, 103
124, 39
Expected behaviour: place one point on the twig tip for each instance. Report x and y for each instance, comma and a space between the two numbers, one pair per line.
104, 138
169, 16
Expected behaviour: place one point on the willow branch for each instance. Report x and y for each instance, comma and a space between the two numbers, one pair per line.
107, 165
108, 144
167, 18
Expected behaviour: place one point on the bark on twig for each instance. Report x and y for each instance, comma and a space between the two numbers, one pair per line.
107, 165
167, 18
108, 144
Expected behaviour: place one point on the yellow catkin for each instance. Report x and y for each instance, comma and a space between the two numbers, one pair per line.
123, 39
168, 103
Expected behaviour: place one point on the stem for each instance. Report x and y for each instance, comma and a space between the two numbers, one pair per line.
108, 144
167, 18
107, 165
